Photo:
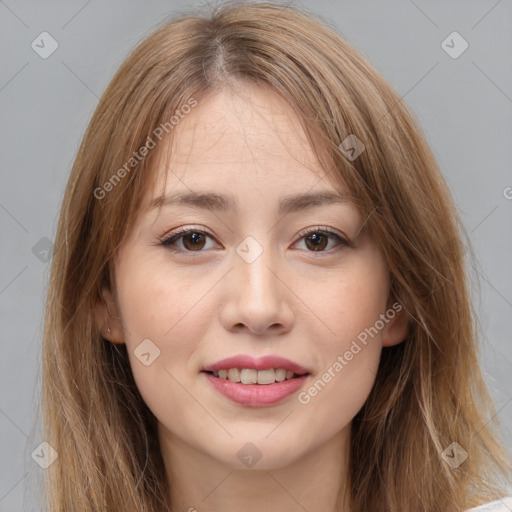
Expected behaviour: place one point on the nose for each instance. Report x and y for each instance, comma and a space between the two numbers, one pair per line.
258, 296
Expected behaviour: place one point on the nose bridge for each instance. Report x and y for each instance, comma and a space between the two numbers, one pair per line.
256, 296
252, 264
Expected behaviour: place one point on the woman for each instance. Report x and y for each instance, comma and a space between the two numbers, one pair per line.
258, 297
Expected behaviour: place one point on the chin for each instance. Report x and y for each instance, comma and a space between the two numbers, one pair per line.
260, 454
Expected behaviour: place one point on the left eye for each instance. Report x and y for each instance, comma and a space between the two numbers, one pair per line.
319, 239
194, 240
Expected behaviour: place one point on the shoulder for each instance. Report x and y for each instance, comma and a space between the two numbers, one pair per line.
501, 505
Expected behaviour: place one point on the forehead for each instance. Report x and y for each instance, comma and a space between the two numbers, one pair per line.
248, 135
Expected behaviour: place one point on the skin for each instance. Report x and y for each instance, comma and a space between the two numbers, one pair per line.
292, 301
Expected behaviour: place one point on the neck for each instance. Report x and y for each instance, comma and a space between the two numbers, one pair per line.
315, 481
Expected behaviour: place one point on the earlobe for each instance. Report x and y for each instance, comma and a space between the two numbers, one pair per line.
397, 326
108, 318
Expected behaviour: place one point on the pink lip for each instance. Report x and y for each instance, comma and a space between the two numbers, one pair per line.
256, 395
262, 363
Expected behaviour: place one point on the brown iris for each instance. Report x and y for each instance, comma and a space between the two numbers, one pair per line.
197, 240
320, 241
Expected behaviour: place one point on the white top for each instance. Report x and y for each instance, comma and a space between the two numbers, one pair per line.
502, 505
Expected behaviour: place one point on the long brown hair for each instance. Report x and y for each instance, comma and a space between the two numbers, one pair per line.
429, 391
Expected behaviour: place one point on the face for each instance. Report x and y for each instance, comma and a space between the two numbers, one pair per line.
256, 276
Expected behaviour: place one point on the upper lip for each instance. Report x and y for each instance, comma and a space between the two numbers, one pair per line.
260, 363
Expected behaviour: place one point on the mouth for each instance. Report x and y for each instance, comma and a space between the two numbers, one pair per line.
256, 382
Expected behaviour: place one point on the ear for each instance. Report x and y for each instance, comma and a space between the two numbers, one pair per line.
107, 317
397, 327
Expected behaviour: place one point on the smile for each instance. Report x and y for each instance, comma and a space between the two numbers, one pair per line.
256, 381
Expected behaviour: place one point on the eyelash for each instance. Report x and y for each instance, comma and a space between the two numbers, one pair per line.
168, 241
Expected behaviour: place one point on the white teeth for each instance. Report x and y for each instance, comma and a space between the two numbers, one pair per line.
266, 376
251, 376
280, 374
248, 376
234, 375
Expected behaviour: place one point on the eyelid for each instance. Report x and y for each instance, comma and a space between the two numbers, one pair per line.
186, 229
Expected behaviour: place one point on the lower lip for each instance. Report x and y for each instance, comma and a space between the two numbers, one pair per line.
256, 395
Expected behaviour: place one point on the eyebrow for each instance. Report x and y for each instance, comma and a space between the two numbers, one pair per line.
225, 203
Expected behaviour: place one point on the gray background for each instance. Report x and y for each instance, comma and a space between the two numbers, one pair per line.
464, 106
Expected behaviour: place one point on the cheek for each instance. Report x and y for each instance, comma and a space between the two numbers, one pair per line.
174, 310
350, 347
159, 304
348, 303
156, 314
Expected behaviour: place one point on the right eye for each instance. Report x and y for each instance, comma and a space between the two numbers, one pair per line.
192, 240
